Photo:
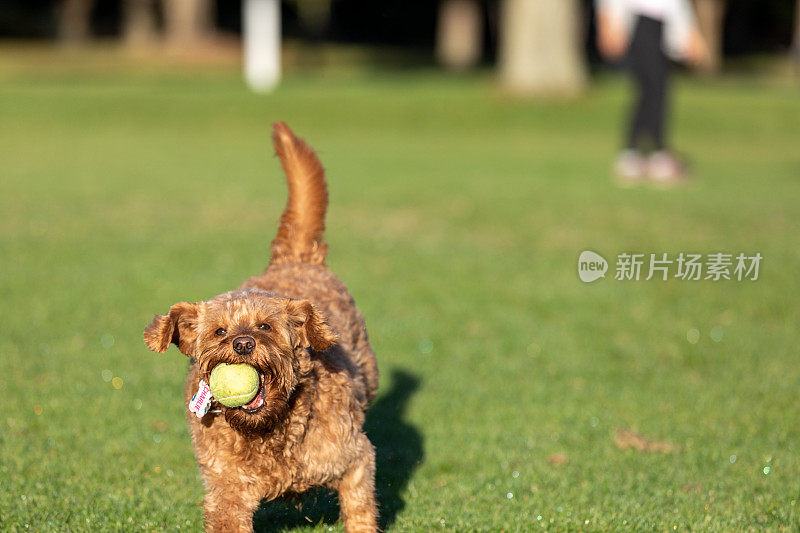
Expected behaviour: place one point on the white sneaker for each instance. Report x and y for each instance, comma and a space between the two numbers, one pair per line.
665, 169
630, 167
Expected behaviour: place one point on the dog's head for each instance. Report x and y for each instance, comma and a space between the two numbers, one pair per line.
269, 332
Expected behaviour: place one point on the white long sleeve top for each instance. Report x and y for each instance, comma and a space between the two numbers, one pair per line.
677, 16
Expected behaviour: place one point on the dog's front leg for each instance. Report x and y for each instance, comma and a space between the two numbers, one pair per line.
357, 492
230, 503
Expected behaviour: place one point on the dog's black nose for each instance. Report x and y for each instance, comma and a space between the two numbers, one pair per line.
244, 345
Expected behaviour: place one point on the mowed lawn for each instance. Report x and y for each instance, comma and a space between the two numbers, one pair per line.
457, 218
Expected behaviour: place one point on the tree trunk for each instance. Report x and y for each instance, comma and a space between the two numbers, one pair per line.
139, 22
188, 21
74, 20
710, 21
459, 34
540, 47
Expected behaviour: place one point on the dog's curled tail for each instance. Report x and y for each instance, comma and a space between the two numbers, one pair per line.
299, 238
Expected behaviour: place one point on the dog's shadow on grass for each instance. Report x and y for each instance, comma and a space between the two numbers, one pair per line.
399, 451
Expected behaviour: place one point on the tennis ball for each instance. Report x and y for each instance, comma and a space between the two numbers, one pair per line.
233, 385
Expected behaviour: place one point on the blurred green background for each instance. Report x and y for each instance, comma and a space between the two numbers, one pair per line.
131, 181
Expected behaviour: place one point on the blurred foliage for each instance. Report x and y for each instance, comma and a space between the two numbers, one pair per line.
750, 25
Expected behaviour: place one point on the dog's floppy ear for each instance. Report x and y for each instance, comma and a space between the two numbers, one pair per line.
310, 326
178, 327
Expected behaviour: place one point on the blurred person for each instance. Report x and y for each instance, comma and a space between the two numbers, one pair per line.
646, 34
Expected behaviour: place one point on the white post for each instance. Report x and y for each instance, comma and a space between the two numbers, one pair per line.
262, 43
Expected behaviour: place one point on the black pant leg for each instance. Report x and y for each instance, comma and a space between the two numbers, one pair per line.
650, 69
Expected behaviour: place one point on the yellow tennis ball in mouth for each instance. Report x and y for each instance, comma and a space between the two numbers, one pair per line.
234, 385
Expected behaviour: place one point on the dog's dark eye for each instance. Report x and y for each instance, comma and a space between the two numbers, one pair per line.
264, 327
220, 332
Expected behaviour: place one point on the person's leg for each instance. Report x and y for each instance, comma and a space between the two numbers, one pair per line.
636, 63
630, 165
649, 67
636, 127
658, 90
662, 166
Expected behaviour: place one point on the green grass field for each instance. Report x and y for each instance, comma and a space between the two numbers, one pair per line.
457, 218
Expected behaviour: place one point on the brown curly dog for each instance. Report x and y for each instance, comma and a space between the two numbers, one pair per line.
299, 327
